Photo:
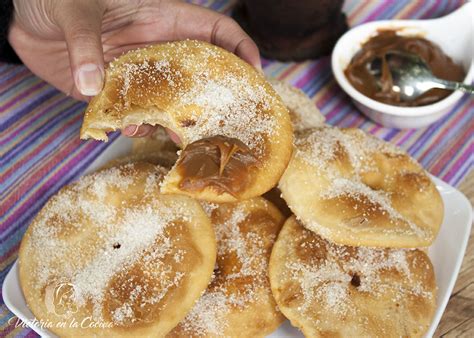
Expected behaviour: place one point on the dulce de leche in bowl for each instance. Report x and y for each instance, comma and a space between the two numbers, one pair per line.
380, 88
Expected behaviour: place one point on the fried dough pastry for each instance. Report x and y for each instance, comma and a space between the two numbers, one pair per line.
328, 290
112, 254
303, 112
354, 189
238, 302
236, 133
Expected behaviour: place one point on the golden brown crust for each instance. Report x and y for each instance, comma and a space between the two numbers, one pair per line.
328, 290
238, 302
110, 250
197, 90
354, 189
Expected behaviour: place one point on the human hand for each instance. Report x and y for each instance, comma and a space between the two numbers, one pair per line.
67, 42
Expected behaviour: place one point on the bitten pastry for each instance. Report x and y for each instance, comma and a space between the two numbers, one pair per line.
238, 302
114, 255
303, 112
236, 133
328, 290
354, 189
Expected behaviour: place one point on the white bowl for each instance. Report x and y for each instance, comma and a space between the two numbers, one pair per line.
454, 33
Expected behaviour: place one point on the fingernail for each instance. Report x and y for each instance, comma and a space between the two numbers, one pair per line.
259, 68
130, 130
89, 79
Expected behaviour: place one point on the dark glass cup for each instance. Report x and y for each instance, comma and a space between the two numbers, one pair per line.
292, 30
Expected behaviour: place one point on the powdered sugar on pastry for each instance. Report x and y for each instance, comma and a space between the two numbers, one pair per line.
111, 248
245, 233
205, 94
354, 189
350, 291
303, 111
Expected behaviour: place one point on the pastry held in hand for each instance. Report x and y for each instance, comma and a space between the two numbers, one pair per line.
200, 92
238, 302
112, 252
328, 290
354, 189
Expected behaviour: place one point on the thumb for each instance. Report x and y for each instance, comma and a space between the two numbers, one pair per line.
81, 24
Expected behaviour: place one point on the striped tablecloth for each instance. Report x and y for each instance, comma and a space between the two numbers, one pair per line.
41, 150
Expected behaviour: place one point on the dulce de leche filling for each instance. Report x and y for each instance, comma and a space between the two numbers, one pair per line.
359, 75
220, 162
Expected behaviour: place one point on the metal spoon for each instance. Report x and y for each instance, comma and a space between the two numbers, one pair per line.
412, 77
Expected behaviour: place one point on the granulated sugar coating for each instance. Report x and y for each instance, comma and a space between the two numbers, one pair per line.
238, 301
198, 91
227, 106
112, 248
303, 111
321, 145
326, 289
195, 93
354, 189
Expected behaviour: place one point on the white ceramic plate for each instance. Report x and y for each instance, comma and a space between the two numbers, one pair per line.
446, 253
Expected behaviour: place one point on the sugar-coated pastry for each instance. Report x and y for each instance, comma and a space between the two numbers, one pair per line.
112, 254
354, 189
303, 112
238, 302
328, 290
236, 133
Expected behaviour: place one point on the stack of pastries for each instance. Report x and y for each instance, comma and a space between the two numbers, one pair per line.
261, 213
